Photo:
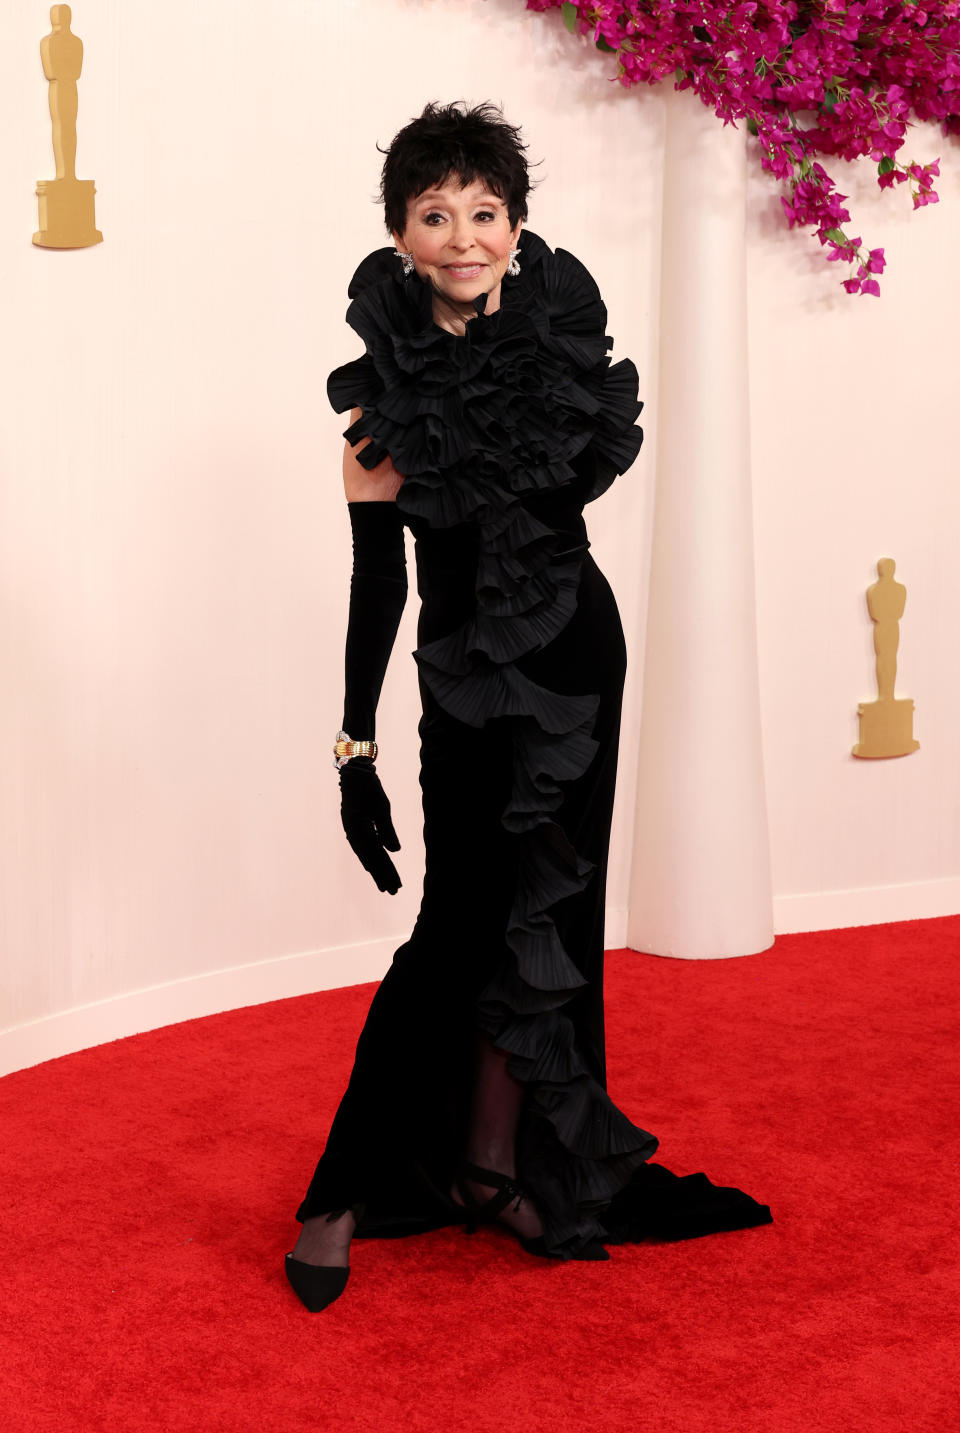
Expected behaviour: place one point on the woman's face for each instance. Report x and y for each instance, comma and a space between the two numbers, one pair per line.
460, 240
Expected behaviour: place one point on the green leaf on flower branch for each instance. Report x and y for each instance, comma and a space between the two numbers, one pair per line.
837, 235
569, 13
886, 164
603, 45
752, 126
829, 100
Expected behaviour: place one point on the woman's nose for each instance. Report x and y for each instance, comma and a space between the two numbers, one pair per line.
462, 236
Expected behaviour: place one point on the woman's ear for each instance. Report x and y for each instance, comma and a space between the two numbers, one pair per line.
398, 241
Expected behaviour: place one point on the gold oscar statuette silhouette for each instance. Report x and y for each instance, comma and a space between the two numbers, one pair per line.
886, 725
66, 203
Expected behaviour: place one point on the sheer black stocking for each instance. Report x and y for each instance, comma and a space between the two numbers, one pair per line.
491, 1138
326, 1241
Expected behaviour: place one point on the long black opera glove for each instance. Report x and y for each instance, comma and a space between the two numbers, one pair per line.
378, 593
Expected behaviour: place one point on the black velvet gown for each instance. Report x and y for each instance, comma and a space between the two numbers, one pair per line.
503, 435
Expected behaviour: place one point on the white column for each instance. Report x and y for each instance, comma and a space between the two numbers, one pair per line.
700, 884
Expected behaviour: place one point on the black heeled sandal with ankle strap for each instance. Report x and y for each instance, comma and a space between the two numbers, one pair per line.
489, 1211
317, 1285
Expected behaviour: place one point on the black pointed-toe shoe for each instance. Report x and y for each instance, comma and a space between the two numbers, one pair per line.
317, 1285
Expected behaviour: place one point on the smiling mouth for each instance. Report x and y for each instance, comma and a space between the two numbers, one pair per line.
463, 271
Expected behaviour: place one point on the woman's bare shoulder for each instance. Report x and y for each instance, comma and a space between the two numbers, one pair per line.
362, 485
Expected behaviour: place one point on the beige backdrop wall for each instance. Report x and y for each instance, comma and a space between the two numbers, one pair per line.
173, 541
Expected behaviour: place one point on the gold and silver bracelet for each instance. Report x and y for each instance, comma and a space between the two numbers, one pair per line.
344, 748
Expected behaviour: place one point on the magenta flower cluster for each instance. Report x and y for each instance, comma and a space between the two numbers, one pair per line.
811, 79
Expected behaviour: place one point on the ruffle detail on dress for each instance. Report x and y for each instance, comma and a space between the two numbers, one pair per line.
541, 761
523, 405
657, 1204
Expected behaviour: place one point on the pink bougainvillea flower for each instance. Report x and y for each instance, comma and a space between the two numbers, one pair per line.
833, 78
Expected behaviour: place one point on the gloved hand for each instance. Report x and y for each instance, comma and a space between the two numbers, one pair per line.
365, 813
378, 591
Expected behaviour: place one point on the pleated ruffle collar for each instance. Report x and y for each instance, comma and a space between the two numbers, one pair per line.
518, 398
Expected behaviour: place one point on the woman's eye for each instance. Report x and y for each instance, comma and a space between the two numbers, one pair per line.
433, 218
486, 214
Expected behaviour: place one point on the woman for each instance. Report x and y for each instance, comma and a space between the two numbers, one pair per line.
485, 414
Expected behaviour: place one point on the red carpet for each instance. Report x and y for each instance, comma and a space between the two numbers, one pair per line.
150, 1185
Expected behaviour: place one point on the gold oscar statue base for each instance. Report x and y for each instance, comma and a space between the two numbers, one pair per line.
886, 728
66, 214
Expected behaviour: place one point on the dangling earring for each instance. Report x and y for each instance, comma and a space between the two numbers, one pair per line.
513, 268
407, 261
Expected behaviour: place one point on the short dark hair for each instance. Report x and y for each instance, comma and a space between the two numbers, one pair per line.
452, 140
